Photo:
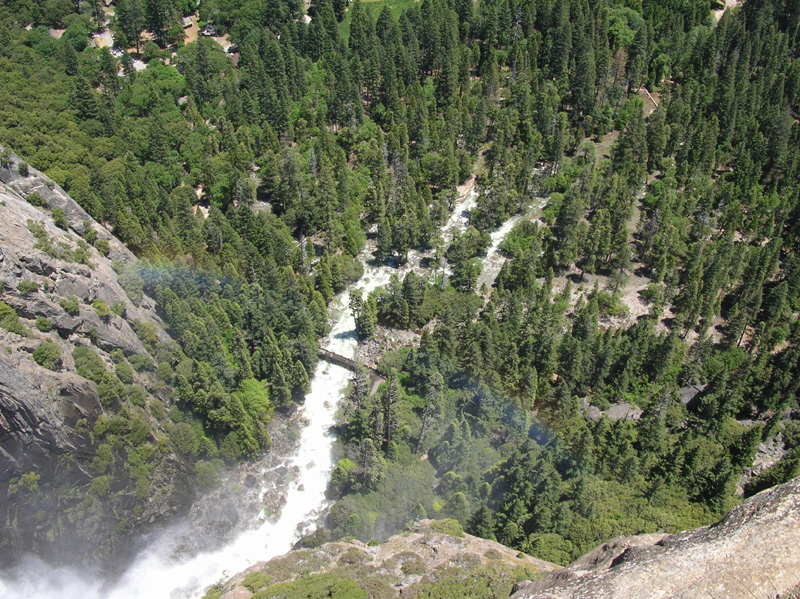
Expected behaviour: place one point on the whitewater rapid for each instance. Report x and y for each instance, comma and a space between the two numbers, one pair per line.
156, 574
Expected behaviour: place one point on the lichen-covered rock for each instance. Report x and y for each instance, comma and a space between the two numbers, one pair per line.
237, 593
406, 564
753, 552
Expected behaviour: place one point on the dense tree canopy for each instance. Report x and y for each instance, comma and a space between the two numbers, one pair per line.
250, 181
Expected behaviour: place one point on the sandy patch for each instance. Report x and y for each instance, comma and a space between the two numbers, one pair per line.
726, 5
223, 41
203, 210
652, 100
192, 32
628, 294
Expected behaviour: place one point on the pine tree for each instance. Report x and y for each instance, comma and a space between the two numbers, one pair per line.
128, 67
584, 75
562, 42
83, 100
370, 463
635, 66
300, 376
70, 59
482, 524
432, 407
109, 72
389, 417
131, 20
657, 135
160, 16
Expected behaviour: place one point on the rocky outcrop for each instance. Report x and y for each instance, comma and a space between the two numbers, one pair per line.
56, 500
404, 565
753, 552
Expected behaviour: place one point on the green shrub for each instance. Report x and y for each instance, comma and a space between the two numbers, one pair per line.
88, 364
71, 305
353, 556
183, 437
215, 592
59, 218
89, 234
137, 396
48, 355
132, 283
164, 371
207, 474
117, 356
141, 362
493, 554
791, 435
413, 567
100, 427
43, 324
610, 305
23, 169
119, 308
26, 286
102, 459
147, 332
124, 372
99, 486
110, 390
777, 474
28, 482
550, 547
9, 320
230, 448
81, 254
34, 199
119, 424
157, 410
103, 246
138, 431
315, 586
256, 580
319, 537
150, 50
448, 526
102, 309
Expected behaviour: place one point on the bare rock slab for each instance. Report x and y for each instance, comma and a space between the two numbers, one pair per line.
753, 552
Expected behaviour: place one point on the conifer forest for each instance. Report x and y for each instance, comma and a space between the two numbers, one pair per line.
618, 371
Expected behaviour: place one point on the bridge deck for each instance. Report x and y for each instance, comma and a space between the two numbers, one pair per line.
334, 358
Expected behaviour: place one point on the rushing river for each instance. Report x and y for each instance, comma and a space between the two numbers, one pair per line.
155, 574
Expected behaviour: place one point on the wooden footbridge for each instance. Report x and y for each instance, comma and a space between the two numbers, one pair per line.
353, 366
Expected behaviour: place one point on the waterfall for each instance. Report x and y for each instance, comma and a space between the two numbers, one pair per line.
155, 573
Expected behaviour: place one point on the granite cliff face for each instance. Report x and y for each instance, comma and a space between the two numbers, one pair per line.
69, 446
753, 552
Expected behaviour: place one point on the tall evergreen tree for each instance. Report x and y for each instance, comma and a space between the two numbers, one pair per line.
130, 17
